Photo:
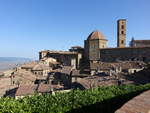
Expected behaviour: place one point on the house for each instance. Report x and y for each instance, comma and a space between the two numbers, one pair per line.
62, 76
30, 90
41, 69
25, 90
51, 62
22, 77
116, 67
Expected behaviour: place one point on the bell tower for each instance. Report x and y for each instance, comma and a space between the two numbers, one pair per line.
121, 33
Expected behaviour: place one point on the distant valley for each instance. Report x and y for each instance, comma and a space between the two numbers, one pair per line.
11, 62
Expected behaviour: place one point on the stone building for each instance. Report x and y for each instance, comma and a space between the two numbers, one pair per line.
66, 58
95, 50
140, 43
94, 42
125, 54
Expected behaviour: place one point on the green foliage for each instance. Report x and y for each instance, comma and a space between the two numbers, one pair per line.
104, 99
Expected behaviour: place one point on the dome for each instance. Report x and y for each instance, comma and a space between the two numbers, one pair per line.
96, 35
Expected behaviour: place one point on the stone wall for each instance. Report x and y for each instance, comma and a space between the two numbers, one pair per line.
123, 54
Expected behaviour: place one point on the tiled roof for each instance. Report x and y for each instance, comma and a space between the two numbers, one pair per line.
123, 65
24, 90
139, 104
96, 35
25, 74
41, 66
142, 41
64, 70
44, 88
29, 64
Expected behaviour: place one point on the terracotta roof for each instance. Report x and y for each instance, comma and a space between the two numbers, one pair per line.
142, 41
24, 90
44, 88
123, 65
96, 35
39, 77
25, 74
139, 104
41, 66
64, 69
29, 64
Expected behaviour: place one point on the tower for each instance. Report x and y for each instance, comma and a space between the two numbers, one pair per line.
121, 33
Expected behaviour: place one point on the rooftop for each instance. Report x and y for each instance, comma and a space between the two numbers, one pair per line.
96, 35
25, 74
123, 65
24, 90
139, 104
41, 66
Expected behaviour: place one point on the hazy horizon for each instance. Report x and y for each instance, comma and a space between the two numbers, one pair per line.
29, 26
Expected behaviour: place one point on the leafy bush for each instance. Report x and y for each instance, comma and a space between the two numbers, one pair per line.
101, 99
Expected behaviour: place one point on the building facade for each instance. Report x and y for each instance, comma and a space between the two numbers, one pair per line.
95, 49
66, 58
139, 43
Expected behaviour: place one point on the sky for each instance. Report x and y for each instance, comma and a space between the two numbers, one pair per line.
29, 26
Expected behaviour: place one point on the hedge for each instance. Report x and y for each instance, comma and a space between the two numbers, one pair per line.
104, 99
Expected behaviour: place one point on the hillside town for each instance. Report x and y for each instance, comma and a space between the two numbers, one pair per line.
86, 67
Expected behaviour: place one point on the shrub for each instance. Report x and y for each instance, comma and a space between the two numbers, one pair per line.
102, 99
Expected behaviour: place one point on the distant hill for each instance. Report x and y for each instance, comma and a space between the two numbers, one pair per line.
14, 59
7, 63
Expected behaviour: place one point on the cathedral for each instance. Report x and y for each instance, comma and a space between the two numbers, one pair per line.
96, 50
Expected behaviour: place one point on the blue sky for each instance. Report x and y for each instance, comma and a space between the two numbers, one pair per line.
28, 26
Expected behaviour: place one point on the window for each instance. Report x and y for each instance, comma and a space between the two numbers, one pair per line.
122, 27
122, 42
122, 32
